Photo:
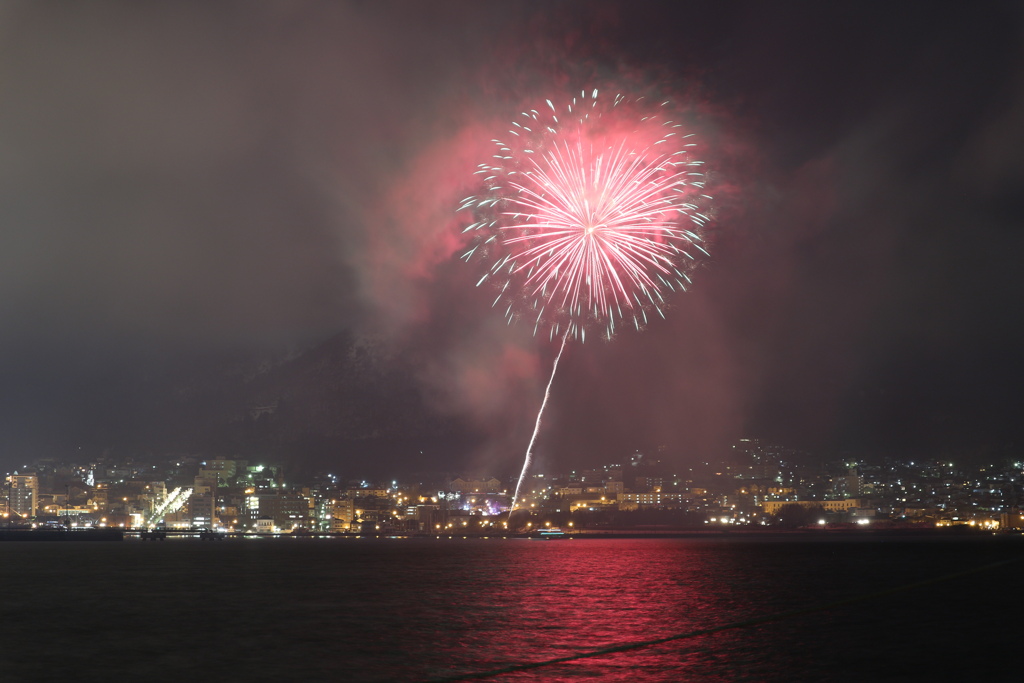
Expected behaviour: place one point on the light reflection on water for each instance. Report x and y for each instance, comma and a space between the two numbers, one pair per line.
407, 610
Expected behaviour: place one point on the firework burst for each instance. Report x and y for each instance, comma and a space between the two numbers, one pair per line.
589, 216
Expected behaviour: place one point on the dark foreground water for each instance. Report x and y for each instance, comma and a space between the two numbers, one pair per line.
412, 610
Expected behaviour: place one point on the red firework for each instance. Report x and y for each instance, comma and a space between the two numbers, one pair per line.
590, 216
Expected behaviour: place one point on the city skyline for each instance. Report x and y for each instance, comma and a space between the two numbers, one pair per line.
211, 212
759, 487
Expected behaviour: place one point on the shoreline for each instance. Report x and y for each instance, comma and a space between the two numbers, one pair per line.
810, 534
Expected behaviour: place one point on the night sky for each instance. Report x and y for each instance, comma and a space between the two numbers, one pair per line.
182, 180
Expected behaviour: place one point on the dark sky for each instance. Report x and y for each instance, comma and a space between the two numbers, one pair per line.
188, 178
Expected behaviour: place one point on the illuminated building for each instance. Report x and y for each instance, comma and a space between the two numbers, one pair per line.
431, 517
593, 504
343, 514
773, 506
220, 470
1011, 520
24, 493
156, 494
202, 503
654, 498
648, 483
287, 510
263, 476
367, 493
849, 485
100, 499
323, 514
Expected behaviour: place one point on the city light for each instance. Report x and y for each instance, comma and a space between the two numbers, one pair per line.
763, 492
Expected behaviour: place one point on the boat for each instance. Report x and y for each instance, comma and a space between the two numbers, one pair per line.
551, 533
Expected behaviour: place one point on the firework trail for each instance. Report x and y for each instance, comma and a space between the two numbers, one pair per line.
589, 217
536, 426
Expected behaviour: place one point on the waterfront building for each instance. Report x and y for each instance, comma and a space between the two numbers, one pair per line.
323, 513
202, 504
846, 505
202, 509
343, 514
287, 510
24, 494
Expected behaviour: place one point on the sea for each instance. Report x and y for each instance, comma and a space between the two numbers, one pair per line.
775, 608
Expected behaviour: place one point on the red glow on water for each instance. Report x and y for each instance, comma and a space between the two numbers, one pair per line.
572, 596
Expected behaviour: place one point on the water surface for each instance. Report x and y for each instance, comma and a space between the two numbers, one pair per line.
410, 610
